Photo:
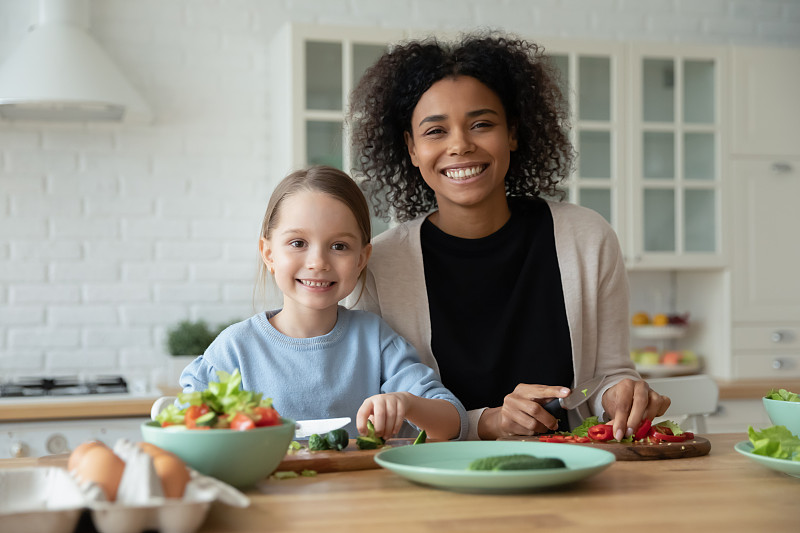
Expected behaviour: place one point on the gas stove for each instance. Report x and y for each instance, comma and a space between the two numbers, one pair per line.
32, 387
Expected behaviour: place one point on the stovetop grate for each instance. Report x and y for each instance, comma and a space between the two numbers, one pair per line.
62, 386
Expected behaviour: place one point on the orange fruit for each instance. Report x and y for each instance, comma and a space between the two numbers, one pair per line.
640, 319
660, 320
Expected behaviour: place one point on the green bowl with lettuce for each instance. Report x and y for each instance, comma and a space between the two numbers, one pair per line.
783, 409
240, 456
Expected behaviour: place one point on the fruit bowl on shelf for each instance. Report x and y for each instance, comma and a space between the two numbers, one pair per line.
665, 371
652, 363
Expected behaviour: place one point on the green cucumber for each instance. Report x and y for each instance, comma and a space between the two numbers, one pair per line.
206, 420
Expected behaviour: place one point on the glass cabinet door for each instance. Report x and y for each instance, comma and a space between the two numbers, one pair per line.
676, 176
589, 82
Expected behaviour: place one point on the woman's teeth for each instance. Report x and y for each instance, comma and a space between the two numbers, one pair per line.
315, 283
463, 173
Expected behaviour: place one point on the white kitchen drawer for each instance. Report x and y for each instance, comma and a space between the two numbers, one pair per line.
767, 337
766, 365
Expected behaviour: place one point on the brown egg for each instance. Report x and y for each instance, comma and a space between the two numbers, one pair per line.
102, 466
171, 470
78, 453
173, 474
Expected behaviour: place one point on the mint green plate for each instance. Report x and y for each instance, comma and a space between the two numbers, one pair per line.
786, 466
444, 465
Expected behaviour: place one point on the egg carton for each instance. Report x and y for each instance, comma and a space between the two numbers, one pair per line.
51, 500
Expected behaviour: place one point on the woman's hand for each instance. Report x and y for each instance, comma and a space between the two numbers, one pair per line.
522, 412
629, 402
387, 411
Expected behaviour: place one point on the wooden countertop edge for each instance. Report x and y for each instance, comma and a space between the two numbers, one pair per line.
753, 389
40, 411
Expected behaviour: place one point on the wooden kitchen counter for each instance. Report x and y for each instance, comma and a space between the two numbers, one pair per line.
51, 408
723, 491
753, 389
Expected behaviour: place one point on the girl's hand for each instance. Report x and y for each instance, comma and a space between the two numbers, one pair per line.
522, 412
387, 412
629, 402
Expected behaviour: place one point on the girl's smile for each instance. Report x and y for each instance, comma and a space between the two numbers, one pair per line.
316, 254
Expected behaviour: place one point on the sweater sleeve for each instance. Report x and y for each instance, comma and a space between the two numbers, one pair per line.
402, 370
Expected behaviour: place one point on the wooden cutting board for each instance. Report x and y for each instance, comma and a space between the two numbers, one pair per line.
630, 451
351, 458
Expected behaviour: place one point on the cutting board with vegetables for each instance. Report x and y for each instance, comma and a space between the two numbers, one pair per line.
642, 451
351, 458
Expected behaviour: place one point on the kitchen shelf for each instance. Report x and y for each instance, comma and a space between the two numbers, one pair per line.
659, 332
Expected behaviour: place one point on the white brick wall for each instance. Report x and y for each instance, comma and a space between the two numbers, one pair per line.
110, 234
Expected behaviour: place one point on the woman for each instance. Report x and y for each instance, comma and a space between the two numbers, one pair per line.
512, 297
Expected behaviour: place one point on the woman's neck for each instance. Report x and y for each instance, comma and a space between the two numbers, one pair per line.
471, 222
304, 323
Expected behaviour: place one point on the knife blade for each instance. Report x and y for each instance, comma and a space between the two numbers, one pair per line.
558, 407
306, 428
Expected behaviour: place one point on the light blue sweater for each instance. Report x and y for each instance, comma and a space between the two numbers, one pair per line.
320, 377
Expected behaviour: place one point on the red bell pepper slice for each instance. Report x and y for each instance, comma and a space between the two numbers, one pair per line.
644, 430
601, 432
668, 438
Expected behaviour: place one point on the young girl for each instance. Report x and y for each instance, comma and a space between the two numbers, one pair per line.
314, 358
463, 142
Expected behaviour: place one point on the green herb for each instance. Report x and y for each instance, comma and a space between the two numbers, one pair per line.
782, 395
775, 441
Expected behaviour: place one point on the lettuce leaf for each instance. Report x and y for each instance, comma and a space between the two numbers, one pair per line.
224, 397
775, 441
583, 429
783, 395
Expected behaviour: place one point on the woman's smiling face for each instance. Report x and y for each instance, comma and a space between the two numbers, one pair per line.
461, 142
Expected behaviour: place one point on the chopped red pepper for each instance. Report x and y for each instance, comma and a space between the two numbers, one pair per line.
643, 431
668, 438
601, 432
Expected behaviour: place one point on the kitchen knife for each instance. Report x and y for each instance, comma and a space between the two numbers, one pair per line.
558, 407
306, 428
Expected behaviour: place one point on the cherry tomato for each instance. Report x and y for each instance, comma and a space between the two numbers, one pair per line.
193, 413
242, 422
266, 416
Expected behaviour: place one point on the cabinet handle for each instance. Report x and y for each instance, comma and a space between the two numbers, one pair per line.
781, 167
777, 336
777, 364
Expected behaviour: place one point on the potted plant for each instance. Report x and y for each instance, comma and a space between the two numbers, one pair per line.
186, 341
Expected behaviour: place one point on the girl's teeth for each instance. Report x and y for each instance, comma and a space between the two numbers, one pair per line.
315, 283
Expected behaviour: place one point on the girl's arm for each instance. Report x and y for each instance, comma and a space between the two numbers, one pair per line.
439, 418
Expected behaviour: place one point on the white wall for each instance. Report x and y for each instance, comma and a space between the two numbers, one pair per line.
109, 234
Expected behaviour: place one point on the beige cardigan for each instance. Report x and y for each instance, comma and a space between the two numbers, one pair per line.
594, 281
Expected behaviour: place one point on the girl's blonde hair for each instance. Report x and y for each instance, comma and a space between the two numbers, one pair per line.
319, 178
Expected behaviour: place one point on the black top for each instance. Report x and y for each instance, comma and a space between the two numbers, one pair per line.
497, 307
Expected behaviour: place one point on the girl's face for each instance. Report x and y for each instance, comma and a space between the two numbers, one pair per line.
315, 251
461, 143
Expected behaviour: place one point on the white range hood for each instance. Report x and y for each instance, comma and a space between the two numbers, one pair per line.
59, 73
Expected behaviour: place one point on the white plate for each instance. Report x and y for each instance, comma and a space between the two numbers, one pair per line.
786, 466
444, 465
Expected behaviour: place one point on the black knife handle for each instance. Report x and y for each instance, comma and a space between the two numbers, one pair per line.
554, 408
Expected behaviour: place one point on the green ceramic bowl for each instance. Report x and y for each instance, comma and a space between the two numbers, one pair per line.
783, 413
239, 458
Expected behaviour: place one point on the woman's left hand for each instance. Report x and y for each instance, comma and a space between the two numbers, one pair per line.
631, 401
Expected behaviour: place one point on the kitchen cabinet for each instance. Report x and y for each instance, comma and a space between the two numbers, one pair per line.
648, 128
765, 188
676, 165
315, 68
765, 110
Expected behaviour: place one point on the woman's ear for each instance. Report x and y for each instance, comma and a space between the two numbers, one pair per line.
412, 151
265, 249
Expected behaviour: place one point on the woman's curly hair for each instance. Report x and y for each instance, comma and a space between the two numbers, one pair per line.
516, 70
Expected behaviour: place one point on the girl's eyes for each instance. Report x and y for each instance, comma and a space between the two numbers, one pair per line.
339, 247
297, 244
